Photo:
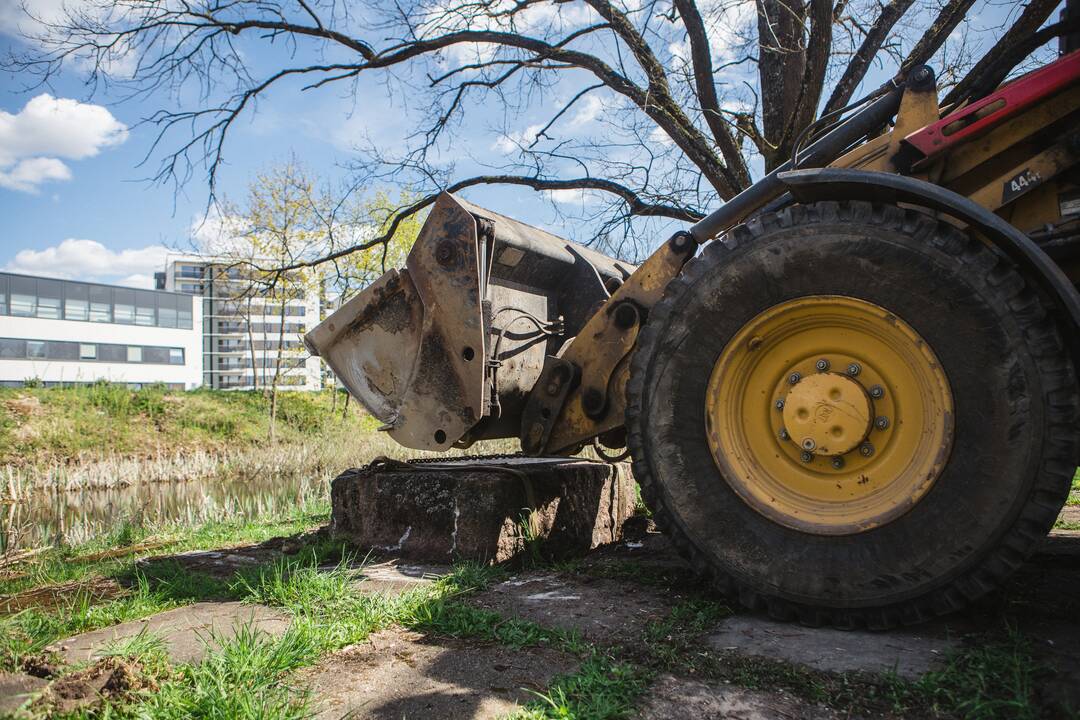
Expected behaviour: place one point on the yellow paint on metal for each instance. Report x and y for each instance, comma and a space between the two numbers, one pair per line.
829, 414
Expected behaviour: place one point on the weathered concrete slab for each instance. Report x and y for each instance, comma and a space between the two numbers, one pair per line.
399, 674
186, 630
17, 690
482, 509
675, 698
907, 652
603, 610
395, 576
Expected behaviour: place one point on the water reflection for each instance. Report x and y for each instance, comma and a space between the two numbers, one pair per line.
73, 516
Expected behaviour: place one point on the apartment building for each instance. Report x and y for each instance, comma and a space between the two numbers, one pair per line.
63, 332
243, 328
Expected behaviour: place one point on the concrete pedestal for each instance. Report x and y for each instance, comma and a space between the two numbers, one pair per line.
488, 510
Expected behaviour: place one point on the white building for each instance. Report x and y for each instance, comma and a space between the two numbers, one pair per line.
64, 332
242, 328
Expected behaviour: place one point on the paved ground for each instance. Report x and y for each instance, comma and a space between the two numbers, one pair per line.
616, 598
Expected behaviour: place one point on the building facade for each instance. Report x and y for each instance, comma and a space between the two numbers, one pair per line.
246, 334
62, 332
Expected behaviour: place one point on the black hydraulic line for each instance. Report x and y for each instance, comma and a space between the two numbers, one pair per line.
820, 152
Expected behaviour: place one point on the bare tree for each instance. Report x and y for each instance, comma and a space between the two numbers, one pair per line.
689, 96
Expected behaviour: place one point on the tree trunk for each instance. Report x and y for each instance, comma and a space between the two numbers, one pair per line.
780, 69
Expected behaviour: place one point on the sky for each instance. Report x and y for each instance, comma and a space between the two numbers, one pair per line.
75, 196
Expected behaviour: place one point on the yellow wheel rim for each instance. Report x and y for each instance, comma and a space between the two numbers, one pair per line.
829, 414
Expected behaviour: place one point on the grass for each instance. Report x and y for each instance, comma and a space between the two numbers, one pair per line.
45, 425
995, 679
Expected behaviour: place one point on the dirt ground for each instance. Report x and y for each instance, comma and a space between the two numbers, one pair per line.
637, 602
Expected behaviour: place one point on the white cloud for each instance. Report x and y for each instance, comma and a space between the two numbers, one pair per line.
33, 140
26, 175
573, 196
588, 109
90, 260
516, 140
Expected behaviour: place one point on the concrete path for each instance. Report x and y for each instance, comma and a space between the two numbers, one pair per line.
188, 631
399, 674
909, 653
674, 698
603, 610
611, 597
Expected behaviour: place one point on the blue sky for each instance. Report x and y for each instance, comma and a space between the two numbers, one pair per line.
99, 218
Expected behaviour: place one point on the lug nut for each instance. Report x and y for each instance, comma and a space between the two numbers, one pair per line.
881, 423
854, 369
806, 457
837, 462
877, 392
822, 365
784, 434
794, 378
780, 404
866, 449
809, 444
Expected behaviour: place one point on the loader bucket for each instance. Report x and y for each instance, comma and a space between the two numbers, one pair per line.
445, 350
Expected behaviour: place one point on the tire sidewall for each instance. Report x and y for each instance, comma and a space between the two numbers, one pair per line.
931, 277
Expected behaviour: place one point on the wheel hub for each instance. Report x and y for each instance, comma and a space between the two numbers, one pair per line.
828, 414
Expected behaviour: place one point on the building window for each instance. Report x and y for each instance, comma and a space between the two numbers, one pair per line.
176, 356
183, 319
167, 317
12, 349
35, 349
124, 314
76, 310
87, 351
48, 308
144, 315
23, 305
100, 312
134, 354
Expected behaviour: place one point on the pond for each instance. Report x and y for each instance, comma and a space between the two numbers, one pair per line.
44, 517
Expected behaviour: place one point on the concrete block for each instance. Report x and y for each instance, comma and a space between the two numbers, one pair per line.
482, 509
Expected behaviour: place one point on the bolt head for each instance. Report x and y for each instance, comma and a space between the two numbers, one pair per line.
780, 404
837, 462
794, 378
822, 365
809, 444
854, 369
784, 434
877, 392
881, 423
806, 457
866, 449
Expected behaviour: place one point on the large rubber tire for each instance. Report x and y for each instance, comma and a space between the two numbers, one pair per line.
1016, 402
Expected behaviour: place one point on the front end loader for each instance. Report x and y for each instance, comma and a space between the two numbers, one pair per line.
850, 394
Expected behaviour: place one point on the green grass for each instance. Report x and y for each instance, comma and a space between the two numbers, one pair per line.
69, 563
1074, 494
45, 425
994, 679
602, 688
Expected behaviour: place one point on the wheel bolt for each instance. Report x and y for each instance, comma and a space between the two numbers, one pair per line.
784, 434
837, 462
854, 369
794, 378
809, 444
877, 392
866, 449
822, 365
806, 457
780, 404
881, 423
